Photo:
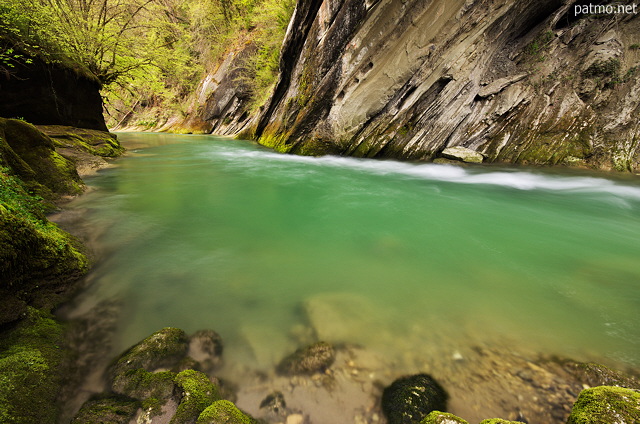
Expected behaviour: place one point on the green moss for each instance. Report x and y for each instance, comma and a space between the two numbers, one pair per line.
437, 417
30, 155
606, 405
275, 142
111, 409
163, 349
223, 411
499, 421
141, 384
94, 142
31, 370
34, 253
198, 392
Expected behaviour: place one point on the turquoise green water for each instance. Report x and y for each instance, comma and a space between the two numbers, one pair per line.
274, 250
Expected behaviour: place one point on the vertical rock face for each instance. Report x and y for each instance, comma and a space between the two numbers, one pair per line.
518, 81
51, 94
222, 99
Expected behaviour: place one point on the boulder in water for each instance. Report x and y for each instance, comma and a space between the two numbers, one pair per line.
410, 399
606, 405
163, 349
308, 360
197, 393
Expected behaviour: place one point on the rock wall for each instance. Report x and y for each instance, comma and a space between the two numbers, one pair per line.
221, 102
524, 82
50, 94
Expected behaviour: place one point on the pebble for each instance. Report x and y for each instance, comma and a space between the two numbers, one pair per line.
295, 419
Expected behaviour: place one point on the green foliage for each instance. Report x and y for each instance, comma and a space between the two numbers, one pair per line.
146, 53
634, 46
537, 47
605, 72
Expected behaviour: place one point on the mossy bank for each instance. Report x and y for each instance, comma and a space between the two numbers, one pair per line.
40, 265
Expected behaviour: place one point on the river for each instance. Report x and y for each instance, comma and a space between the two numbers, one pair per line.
273, 251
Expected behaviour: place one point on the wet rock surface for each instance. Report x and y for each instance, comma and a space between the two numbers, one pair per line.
308, 360
410, 399
518, 82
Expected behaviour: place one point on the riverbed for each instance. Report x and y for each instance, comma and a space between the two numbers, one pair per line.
405, 261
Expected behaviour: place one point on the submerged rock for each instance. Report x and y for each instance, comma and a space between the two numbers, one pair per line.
410, 399
606, 405
601, 375
274, 403
205, 347
462, 154
308, 360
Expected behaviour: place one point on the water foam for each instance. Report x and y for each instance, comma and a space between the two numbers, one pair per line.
515, 179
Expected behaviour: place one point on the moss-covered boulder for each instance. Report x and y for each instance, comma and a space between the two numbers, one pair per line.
163, 349
30, 155
499, 421
39, 263
308, 360
110, 409
31, 370
606, 405
140, 384
226, 412
197, 393
437, 417
410, 399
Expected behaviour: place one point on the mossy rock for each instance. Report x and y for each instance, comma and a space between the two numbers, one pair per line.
198, 393
410, 399
31, 156
95, 142
39, 262
31, 370
308, 360
109, 409
140, 384
499, 421
437, 417
606, 405
163, 349
224, 412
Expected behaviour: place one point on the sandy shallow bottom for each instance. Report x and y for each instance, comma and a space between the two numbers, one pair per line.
483, 380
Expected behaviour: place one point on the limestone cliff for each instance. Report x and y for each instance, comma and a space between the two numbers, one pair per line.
525, 82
